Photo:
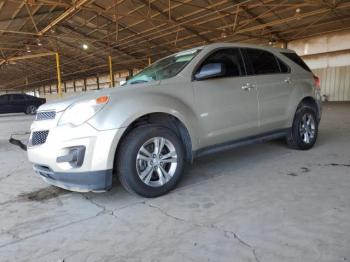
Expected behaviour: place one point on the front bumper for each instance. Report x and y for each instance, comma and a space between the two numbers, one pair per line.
52, 162
97, 181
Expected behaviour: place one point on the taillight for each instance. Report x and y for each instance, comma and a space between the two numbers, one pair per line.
317, 82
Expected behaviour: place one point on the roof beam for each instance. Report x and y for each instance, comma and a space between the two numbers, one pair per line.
31, 17
70, 11
16, 58
173, 19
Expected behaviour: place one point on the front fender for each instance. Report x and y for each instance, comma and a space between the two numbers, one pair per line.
120, 113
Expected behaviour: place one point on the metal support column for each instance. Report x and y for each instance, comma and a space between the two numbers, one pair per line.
111, 77
59, 87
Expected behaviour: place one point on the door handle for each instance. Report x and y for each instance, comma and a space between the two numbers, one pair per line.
287, 80
248, 86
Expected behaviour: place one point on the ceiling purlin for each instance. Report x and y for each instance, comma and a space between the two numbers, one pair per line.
144, 19
31, 15
138, 10
259, 20
332, 4
273, 23
77, 48
123, 26
191, 22
203, 18
15, 13
325, 26
173, 19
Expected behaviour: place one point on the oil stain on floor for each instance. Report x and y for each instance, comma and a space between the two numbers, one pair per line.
43, 194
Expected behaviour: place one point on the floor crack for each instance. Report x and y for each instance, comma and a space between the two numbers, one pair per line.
227, 233
11, 173
103, 210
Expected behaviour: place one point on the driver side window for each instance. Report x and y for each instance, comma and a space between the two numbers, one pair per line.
231, 60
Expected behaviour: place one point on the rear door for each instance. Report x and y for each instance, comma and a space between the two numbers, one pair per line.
226, 108
274, 87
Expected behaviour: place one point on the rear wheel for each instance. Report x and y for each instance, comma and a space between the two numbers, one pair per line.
150, 161
303, 133
31, 110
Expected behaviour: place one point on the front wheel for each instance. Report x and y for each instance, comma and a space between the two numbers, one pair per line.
150, 161
303, 133
31, 110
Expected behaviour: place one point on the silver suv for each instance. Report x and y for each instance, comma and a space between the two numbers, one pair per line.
186, 105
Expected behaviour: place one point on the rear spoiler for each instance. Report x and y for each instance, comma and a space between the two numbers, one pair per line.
19, 142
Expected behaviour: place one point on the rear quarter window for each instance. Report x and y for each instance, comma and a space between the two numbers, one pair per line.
283, 67
297, 59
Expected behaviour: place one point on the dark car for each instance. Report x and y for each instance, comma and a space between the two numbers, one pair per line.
17, 103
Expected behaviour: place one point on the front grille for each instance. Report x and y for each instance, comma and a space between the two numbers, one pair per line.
45, 115
39, 137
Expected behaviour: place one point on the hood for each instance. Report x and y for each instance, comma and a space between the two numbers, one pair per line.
61, 104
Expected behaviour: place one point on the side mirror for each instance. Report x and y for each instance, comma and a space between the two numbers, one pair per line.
210, 70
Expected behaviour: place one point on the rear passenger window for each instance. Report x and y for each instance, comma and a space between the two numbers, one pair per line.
231, 58
261, 62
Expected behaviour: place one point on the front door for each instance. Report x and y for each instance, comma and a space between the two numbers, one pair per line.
226, 106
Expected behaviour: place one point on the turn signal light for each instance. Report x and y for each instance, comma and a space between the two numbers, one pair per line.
102, 100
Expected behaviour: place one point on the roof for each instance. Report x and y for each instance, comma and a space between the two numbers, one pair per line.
131, 31
266, 47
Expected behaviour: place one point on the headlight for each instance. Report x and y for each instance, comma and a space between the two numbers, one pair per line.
78, 113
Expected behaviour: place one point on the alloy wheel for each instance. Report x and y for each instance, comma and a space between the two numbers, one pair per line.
307, 128
156, 161
31, 110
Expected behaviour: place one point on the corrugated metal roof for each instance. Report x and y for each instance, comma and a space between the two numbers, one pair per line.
131, 31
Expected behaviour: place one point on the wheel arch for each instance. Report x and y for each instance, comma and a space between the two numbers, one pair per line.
164, 119
306, 100
309, 100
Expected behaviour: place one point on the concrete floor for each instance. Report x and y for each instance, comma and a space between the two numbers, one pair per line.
257, 203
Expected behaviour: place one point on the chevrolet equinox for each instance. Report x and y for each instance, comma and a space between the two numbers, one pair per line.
186, 105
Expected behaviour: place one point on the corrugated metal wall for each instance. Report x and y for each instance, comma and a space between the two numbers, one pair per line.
335, 82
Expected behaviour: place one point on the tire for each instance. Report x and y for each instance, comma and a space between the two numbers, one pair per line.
134, 165
297, 137
31, 110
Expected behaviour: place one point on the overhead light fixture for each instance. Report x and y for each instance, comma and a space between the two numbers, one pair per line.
28, 49
298, 10
85, 46
38, 42
224, 34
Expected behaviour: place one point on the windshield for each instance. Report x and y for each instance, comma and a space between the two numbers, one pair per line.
164, 68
